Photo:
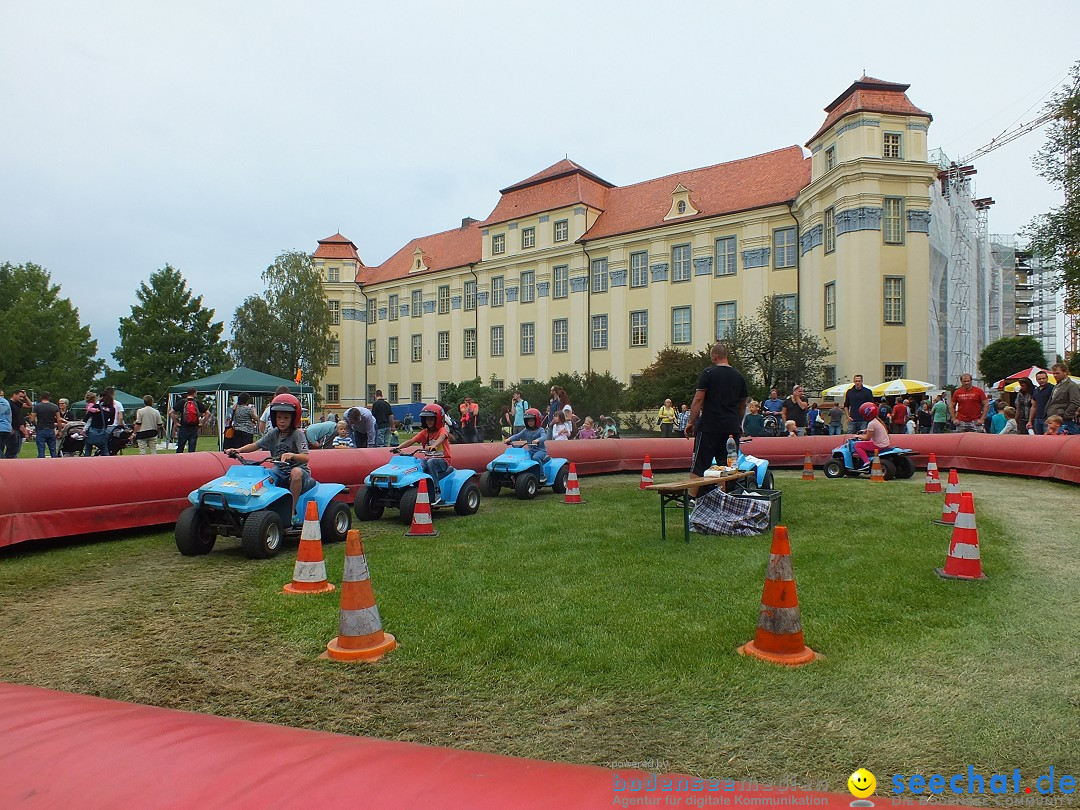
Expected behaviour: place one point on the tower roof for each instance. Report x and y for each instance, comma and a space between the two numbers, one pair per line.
867, 94
337, 247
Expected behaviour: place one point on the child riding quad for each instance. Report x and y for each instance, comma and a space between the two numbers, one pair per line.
261, 505
852, 457
397, 482
526, 466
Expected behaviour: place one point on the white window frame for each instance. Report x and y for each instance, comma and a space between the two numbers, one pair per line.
333, 275
333, 392
469, 296
894, 371
599, 332
498, 244
371, 392
830, 230
893, 300
730, 264
372, 310
561, 234
528, 238
498, 341
392, 350
335, 312
892, 220
682, 325
681, 263
392, 307
335, 354
830, 305
639, 328
372, 357
392, 392
639, 268
560, 335
895, 149
527, 286
784, 248
722, 334
498, 291
560, 281
528, 338
791, 304
416, 303
443, 339
416, 392
830, 158
468, 343
416, 344
444, 299
598, 275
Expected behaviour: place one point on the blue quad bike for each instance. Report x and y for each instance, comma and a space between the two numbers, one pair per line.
396, 484
515, 470
246, 503
895, 462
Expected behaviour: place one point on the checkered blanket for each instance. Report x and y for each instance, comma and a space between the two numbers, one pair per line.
719, 513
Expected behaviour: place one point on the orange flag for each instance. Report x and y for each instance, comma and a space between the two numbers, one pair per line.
299, 375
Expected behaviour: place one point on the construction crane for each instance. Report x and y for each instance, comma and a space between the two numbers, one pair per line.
1007, 137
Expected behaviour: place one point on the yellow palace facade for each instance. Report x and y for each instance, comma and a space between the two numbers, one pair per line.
572, 273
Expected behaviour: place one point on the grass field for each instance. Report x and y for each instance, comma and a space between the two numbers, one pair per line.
573, 633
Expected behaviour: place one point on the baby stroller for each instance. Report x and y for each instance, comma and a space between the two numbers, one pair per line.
770, 426
119, 438
72, 439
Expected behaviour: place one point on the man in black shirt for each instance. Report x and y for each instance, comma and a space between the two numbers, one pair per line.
717, 410
45, 418
853, 401
18, 401
384, 417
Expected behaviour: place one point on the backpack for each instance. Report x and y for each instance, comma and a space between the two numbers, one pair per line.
191, 413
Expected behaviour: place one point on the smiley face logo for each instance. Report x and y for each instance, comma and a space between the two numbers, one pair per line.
861, 783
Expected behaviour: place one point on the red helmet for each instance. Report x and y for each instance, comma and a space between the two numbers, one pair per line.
532, 413
868, 410
286, 403
434, 409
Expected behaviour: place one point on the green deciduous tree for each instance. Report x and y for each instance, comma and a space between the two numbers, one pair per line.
42, 344
169, 338
1055, 235
1008, 356
288, 326
673, 375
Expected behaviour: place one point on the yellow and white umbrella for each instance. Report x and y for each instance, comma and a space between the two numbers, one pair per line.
900, 387
836, 391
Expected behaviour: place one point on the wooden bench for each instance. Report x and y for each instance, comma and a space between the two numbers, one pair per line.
676, 495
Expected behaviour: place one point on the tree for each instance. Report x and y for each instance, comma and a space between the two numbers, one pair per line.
43, 346
1009, 355
772, 352
672, 375
169, 338
288, 327
1055, 235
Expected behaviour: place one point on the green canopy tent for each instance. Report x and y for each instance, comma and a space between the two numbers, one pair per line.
130, 403
239, 381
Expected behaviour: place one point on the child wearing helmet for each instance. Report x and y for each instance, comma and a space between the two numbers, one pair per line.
286, 442
433, 436
534, 434
876, 435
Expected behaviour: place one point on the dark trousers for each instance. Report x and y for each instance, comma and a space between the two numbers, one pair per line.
46, 437
186, 437
710, 446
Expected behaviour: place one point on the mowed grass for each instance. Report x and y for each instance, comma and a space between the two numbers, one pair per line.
573, 633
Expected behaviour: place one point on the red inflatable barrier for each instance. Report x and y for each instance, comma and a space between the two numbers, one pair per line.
42, 499
63, 750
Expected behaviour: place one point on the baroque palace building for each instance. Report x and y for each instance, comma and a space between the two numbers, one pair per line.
570, 272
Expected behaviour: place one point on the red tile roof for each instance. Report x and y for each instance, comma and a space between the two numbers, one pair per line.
755, 182
563, 167
337, 247
558, 186
868, 94
441, 251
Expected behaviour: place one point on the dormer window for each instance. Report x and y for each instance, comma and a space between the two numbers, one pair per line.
418, 261
498, 244
681, 206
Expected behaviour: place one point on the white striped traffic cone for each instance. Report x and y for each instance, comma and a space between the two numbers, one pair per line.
360, 634
952, 500
963, 561
573, 494
309, 573
933, 480
807, 469
877, 472
646, 473
421, 516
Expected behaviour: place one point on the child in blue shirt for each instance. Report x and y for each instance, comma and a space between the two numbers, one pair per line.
534, 435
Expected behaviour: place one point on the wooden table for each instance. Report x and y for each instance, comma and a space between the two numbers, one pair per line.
677, 494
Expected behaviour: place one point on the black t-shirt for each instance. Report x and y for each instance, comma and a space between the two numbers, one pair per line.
1040, 396
45, 413
382, 412
724, 389
855, 398
795, 412
17, 418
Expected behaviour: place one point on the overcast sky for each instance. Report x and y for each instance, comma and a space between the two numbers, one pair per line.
214, 135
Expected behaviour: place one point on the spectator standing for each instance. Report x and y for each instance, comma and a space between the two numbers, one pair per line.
45, 418
969, 407
1040, 397
470, 413
773, 405
191, 414
110, 392
518, 406
812, 417
148, 423
553, 405
997, 417
243, 422
794, 409
753, 423
940, 414
561, 427
682, 417
1065, 401
899, 417
506, 421
588, 430
836, 420
384, 419
854, 398
18, 402
100, 418
717, 411
665, 418
342, 437
1022, 403
5, 423
1010, 420
264, 418
361, 422
925, 417
65, 412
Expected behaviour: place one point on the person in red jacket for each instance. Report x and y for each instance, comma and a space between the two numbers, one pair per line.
899, 417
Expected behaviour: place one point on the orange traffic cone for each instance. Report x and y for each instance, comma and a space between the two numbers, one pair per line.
779, 636
309, 573
646, 473
360, 634
573, 495
963, 560
807, 469
877, 474
952, 500
421, 516
933, 480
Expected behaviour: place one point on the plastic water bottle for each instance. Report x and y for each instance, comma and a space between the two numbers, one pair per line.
732, 452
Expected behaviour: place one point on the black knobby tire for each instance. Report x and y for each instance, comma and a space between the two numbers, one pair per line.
262, 535
526, 485
336, 522
888, 468
193, 533
407, 505
834, 468
558, 486
489, 485
368, 504
905, 467
768, 482
468, 500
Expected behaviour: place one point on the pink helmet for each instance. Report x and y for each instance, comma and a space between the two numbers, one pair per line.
868, 410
